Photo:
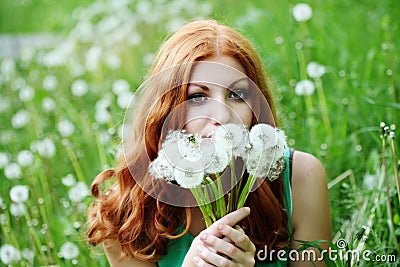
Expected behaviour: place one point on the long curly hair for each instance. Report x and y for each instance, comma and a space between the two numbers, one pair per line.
126, 213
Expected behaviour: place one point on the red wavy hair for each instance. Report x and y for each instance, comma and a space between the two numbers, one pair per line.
141, 224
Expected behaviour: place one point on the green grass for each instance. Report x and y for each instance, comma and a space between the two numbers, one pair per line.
357, 42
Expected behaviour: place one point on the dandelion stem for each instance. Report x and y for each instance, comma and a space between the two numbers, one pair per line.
75, 163
323, 107
396, 170
390, 212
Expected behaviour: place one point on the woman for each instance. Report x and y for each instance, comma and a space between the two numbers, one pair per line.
205, 75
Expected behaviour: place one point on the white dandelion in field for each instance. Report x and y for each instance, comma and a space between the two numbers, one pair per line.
9, 254
4, 103
112, 60
134, 39
68, 180
46, 147
102, 116
20, 119
78, 192
26, 93
12, 171
50, 83
93, 57
124, 99
104, 137
79, 88
28, 254
69, 251
25, 158
17, 209
370, 181
119, 86
302, 12
4, 159
304, 87
17, 83
7, 68
315, 70
48, 104
19, 193
65, 128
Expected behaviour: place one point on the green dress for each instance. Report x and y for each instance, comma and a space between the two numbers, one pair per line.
178, 248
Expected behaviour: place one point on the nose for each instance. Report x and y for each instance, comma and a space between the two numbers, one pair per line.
220, 112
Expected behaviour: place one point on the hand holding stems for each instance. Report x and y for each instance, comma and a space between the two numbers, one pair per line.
222, 244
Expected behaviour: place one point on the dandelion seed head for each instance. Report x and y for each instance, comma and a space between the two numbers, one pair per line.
26, 93
69, 180
17, 209
12, 171
65, 128
50, 83
25, 158
28, 254
78, 192
302, 12
304, 87
20, 119
315, 70
79, 88
124, 99
19, 193
102, 116
48, 104
188, 178
4, 160
9, 254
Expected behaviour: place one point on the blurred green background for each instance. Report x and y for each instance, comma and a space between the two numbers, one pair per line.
62, 107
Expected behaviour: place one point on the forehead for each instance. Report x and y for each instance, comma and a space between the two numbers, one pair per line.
221, 70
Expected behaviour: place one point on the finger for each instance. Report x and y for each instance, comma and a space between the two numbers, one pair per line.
201, 263
230, 219
240, 229
224, 248
212, 258
239, 238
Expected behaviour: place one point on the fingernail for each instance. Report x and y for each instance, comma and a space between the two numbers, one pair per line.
247, 209
204, 236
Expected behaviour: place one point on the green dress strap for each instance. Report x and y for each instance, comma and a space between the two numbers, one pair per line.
177, 248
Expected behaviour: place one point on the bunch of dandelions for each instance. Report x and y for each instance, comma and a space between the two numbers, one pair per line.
197, 163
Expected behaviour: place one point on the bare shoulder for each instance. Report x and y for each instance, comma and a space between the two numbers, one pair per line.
113, 252
311, 211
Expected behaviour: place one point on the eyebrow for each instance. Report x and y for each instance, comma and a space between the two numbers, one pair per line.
203, 84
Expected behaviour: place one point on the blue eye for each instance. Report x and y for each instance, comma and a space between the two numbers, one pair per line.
196, 98
238, 94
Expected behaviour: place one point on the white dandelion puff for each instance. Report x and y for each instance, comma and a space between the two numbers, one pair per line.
188, 178
79, 88
25, 158
9, 254
19, 193
315, 70
120, 86
233, 137
46, 147
102, 116
302, 12
69, 251
20, 119
28, 254
26, 93
78, 192
68, 180
48, 104
12, 171
17, 209
161, 167
304, 87
124, 99
65, 128
50, 83
4, 159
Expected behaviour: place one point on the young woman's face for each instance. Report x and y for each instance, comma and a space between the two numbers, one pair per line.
219, 92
